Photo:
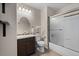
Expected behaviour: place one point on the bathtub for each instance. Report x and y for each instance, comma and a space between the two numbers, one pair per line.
62, 51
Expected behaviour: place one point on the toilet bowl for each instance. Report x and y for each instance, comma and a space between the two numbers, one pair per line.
40, 46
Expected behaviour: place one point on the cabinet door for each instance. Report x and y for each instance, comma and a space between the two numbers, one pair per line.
30, 45
21, 47
71, 28
26, 46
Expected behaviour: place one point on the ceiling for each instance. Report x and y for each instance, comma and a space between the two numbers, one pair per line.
52, 5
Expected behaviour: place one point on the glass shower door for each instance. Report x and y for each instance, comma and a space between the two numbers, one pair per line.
64, 31
71, 25
56, 31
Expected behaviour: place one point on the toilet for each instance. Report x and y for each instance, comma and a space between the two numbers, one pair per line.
40, 46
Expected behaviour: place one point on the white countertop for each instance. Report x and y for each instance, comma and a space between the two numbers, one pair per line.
25, 36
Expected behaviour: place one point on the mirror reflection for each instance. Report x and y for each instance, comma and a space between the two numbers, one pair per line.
24, 26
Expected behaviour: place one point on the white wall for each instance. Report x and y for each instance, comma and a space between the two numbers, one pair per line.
44, 25
8, 44
45, 12
34, 17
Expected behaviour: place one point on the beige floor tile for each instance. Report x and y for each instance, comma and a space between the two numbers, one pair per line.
48, 53
51, 53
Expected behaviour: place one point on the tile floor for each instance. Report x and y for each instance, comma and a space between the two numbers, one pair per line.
48, 53
51, 53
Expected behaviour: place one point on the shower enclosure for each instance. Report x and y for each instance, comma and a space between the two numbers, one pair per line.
64, 31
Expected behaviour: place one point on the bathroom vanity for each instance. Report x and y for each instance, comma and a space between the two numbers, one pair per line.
25, 45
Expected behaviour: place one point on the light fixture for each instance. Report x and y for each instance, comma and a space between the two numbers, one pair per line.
23, 9
26, 10
20, 8
29, 11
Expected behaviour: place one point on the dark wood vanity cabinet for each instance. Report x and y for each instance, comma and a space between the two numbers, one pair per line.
26, 46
